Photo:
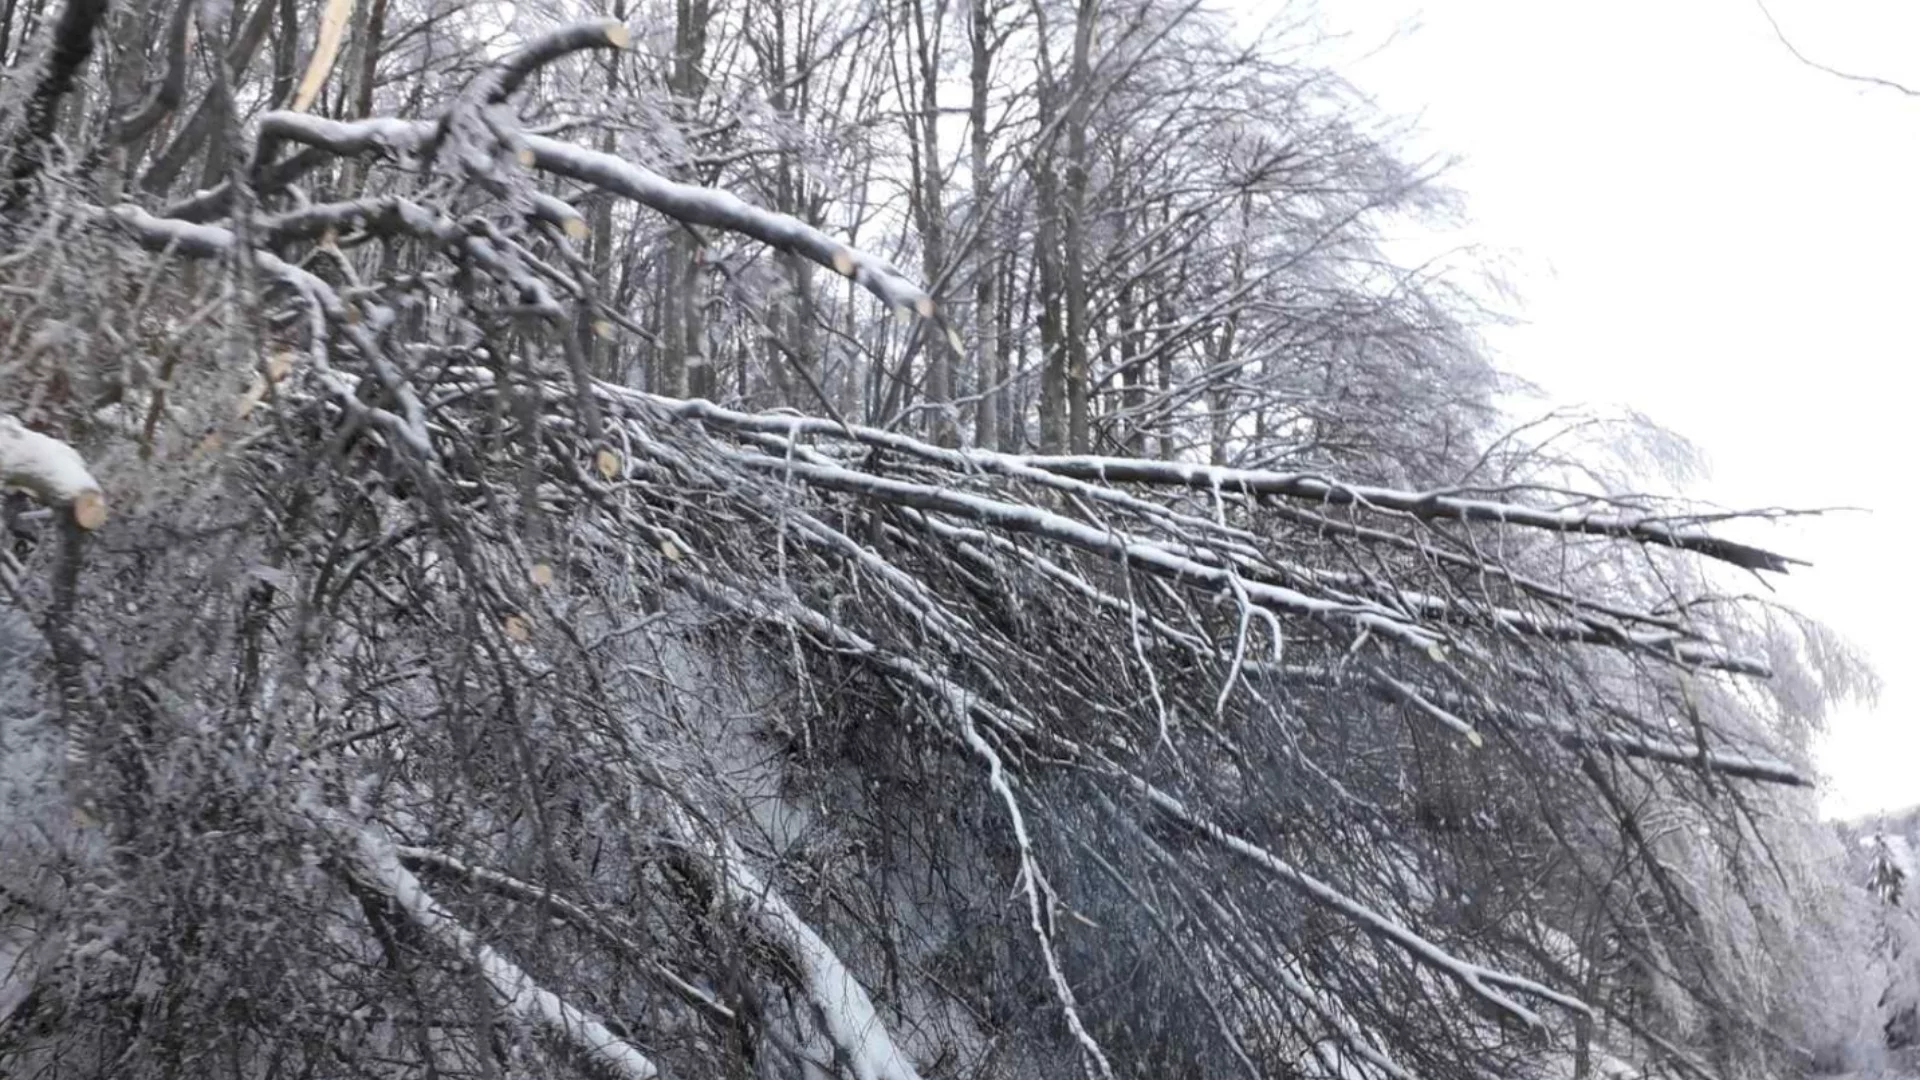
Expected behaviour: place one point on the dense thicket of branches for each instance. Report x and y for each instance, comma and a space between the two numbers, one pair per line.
881, 539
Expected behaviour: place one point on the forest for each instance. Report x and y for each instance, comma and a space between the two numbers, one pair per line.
867, 539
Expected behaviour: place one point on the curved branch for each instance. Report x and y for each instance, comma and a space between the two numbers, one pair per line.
512, 72
1870, 80
72, 46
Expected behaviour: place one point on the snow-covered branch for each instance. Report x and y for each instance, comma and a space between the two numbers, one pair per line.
697, 205
842, 1004
510, 73
1485, 983
689, 203
375, 863
51, 471
579, 916
1432, 506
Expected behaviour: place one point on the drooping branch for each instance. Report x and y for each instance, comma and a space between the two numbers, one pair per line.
375, 864
844, 1008
1489, 985
439, 862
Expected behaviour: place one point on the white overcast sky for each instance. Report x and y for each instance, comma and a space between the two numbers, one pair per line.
1704, 229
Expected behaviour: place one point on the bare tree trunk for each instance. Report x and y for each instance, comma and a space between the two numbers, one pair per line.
990, 366
1074, 259
1165, 314
929, 205
72, 46
1220, 395
371, 19
1012, 434
684, 369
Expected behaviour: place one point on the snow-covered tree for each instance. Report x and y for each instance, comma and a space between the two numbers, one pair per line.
573, 603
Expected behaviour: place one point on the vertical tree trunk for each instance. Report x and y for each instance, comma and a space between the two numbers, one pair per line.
683, 368
1074, 258
1165, 314
1219, 396
1046, 258
792, 363
1012, 433
929, 207
1133, 391
370, 29
989, 365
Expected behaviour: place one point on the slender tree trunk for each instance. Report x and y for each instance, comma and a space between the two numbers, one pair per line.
684, 369
1219, 396
1012, 434
1074, 258
930, 207
1165, 314
989, 365
371, 29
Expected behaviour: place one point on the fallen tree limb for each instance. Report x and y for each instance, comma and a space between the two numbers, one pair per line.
50, 471
375, 863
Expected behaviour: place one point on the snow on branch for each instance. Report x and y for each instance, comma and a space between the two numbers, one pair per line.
171, 235
724, 210
1431, 506
440, 862
1121, 547
844, 1008
1485, 983
512, 72
375, 863
51, 471
689, 203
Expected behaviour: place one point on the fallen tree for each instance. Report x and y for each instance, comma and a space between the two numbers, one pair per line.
778, 742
